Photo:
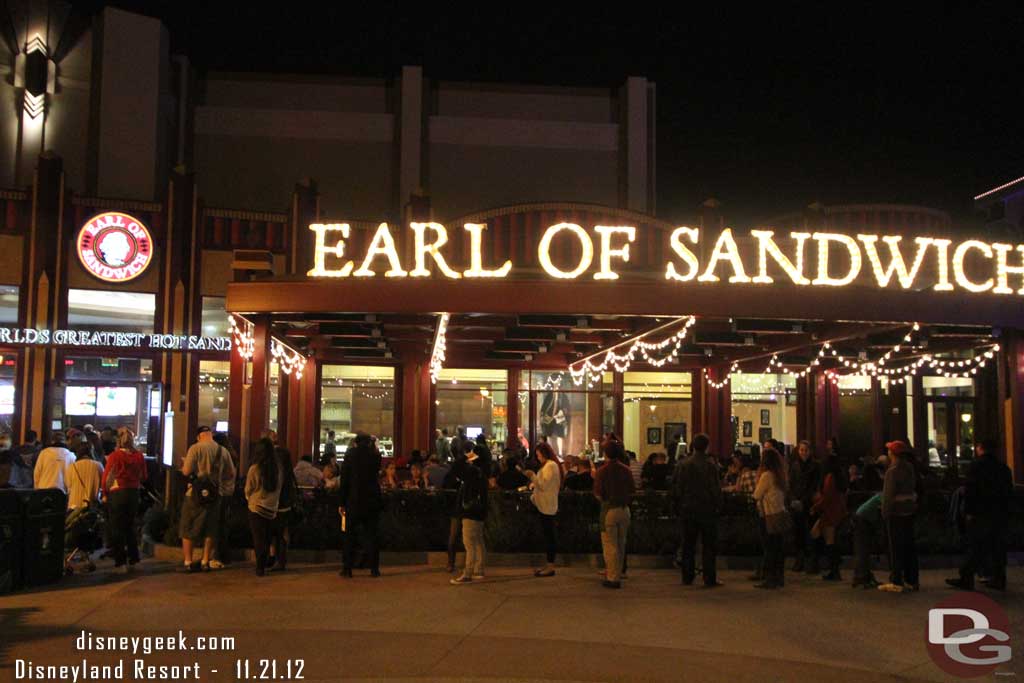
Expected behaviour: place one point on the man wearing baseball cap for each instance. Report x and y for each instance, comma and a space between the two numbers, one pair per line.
210, 471
899, 507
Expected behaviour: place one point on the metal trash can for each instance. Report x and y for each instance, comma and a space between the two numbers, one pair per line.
43, 539
12, 530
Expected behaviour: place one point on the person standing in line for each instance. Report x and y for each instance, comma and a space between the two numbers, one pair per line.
698, 496
472, 505
865, 522
451, 485
330, 450
546, 483
614, 487
830, 507
211, 473
23, 462
278, 560
899, 508
361, 502
126, 471
804, 482
987, 494
51, 463
263, 494
84, 478
770, 496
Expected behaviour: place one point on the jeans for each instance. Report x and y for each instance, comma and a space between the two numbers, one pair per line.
261, 528
473, 539
123, 508
986, 551
454, 532
366, 526
903, 550
547, 523
280, 538
863, 530
613, 541
707, 529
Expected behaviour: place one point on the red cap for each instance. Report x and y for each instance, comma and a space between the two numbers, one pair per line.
898, 447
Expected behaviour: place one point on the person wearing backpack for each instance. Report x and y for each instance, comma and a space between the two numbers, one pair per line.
210, 472
472, 505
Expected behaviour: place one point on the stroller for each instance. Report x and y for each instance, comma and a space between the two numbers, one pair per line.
83, 533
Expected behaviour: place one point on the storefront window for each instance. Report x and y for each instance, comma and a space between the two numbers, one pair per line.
8, 366
273, 395
100, 310
215, 317
104, 392
763, 407
949, 405
214, 394
571, 418
656, 411
356, 398
474, 401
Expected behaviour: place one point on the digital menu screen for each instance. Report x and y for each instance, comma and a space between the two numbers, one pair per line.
80, 400
115, 401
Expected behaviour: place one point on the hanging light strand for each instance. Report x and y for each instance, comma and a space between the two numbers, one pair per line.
242, 336
437, 354
656, 354
288, 359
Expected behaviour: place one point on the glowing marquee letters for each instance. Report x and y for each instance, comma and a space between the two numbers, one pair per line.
937, 264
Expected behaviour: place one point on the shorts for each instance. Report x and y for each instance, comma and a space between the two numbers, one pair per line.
199, 522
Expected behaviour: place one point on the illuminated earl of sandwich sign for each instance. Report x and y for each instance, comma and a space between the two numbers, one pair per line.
112, 339
760, 257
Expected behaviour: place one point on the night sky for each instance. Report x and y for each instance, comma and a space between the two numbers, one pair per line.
766, 112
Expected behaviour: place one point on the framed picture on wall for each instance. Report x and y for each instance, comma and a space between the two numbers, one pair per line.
675, 431
748, 429
766, 417
764, 434
653, 435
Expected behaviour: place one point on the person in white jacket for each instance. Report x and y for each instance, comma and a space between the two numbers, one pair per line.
770, 496
546, 483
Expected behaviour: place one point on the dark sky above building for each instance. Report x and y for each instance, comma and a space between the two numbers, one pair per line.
765, 110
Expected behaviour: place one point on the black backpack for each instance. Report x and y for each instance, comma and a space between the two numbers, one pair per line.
471, 493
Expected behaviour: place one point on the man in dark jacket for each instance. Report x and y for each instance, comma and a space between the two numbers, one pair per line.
987, 493
360, 502
804, 484
698, 494
472, 507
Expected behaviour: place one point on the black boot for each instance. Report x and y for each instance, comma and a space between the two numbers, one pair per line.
817, 548
833, 564
798, 566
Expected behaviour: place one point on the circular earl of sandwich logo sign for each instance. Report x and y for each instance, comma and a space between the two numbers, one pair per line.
115, 246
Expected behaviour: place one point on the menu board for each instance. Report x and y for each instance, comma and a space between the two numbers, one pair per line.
116, 401
80, 400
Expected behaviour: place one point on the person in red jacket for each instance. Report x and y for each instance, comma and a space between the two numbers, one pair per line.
126, 471
830, 506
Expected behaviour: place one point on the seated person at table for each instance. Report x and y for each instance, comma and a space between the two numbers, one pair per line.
306, 473
581, 477
510, 478
435, 472
657, 473
417, 477
746, 477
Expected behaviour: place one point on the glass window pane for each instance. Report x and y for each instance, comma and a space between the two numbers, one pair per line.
357, 398
8, 365
657, 411
563, 417
8, 305
95, 309
214, 394
948, 386
273, 393
215, 317
763, 407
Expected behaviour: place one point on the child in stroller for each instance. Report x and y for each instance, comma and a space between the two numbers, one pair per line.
83, 533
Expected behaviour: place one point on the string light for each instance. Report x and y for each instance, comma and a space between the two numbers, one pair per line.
242, 336
592, 373
437, 355
288, 360
734, 368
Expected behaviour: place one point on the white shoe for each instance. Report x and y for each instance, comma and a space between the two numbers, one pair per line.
122, 569
891, 588
460, 580
216, 564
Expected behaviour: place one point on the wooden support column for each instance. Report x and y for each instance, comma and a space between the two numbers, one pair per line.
236, 394
879, 421
618, 390
718, 405
1011, 368
698, 423
804, 409
919, 433
308, 441
259, 394
41, 300
826, 410
512, 417
416, 408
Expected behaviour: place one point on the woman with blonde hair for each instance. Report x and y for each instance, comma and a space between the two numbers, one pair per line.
126, 471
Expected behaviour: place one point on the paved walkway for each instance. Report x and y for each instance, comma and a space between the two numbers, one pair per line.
412, 625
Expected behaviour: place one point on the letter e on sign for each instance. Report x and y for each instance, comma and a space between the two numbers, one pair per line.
115, 247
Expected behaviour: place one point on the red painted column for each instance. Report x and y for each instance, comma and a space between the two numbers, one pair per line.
919, 436
236, 395
719, 412
259, 398
878, 418
1011, 355
512, 417
416, 407
826, 409
804, 409
697, 412
618, 391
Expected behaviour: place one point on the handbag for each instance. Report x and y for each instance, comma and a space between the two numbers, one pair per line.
778, 523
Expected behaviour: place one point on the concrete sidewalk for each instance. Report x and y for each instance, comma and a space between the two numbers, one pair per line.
411, 625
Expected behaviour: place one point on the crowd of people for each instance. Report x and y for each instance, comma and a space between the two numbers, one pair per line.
797, 496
